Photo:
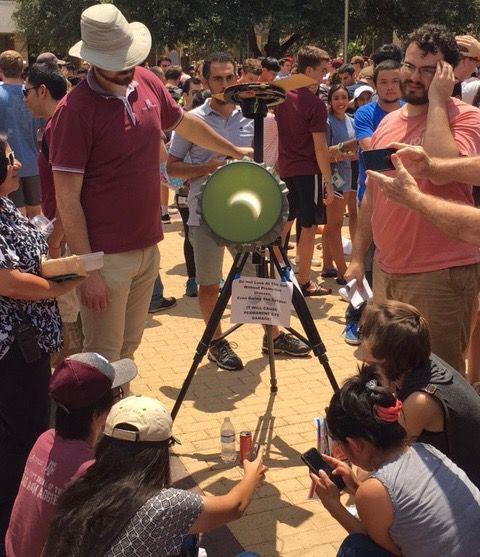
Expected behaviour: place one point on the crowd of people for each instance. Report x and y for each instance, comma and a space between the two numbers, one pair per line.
89, 154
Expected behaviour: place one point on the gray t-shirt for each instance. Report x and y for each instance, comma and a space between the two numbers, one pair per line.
436, 508
159, 527
237, 129
341, 131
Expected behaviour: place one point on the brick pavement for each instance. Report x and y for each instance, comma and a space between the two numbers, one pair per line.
280, 520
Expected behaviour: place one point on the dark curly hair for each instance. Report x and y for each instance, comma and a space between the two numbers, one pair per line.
432, 39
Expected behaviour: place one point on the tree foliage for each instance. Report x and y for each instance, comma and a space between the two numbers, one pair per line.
205, 25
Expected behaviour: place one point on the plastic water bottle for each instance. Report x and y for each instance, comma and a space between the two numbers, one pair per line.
227, 439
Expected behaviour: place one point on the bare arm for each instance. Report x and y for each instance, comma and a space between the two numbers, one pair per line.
27, 286
68, 187
179, 169
363, 239
218, 510
438, 140
196, 131
323, 160
56, 237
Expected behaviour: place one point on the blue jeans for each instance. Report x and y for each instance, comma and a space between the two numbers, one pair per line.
360, 545
157, 294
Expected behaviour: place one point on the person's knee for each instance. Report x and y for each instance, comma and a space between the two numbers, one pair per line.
208, 290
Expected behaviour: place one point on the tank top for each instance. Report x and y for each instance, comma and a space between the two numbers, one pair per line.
436, 508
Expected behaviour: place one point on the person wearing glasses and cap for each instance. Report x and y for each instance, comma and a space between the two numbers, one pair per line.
84, 388
124, 505
105, 156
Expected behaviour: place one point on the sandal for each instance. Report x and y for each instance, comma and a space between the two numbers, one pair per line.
311, 288
329, 273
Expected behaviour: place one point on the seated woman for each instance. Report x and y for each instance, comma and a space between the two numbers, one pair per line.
439, 406
416, 502
123, 505
30, 330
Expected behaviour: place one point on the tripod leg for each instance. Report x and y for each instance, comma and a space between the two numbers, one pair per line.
203, 345
308, 325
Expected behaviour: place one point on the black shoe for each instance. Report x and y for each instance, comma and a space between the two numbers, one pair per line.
222, 353
160, 305
287, 344
166, 219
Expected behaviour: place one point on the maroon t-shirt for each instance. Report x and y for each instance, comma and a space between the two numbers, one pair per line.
302, 114
49, 204
116, 146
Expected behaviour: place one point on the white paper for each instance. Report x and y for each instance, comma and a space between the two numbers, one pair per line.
355, 295
261, 300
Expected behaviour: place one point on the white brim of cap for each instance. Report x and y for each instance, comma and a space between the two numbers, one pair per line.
120, 59
125, 370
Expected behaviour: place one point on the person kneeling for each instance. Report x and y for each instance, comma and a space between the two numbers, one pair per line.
416, 502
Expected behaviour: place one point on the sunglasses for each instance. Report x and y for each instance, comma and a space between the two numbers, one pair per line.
26, 90
10, 158
117, 394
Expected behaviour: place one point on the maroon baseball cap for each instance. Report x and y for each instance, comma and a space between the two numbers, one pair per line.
83, 379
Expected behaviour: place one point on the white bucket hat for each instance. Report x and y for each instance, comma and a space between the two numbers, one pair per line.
109, 41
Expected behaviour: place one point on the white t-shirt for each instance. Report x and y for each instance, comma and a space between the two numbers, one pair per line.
469, 90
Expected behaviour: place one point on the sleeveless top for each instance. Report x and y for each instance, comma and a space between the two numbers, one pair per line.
461, 410
436, 508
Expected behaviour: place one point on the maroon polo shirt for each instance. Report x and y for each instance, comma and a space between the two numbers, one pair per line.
302, 114
49, 204
115, 143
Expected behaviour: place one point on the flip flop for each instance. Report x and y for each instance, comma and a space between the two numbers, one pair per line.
317, 291
329, 273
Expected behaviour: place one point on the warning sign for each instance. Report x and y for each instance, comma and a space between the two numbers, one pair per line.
261, 300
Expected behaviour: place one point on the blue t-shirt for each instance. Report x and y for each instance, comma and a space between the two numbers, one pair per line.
341, 131
18, 124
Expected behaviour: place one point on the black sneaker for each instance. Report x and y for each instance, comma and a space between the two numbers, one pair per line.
287, 344
160, 305
222, 353
166, 219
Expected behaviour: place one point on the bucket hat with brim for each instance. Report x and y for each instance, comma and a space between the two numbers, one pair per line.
109, 41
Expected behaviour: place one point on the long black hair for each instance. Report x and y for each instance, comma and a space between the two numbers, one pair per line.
353, 413
332, 91
93, 511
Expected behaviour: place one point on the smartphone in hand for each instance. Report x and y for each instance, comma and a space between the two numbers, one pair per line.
378, 159
313, 459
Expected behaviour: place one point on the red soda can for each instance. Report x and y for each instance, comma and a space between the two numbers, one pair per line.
245, 445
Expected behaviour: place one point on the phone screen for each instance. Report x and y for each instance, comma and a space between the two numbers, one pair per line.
313, 459
378, 159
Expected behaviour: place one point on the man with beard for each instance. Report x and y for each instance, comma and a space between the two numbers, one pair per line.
228, 120
416, 263
386, 78
105, 156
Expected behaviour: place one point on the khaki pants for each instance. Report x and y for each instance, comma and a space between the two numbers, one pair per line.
117, 332
446, 298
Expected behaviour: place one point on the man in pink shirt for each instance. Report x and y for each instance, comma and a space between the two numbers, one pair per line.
105, 157
84, 387
415, 262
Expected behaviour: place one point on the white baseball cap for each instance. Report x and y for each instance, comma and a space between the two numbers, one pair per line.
362, 89
139, 418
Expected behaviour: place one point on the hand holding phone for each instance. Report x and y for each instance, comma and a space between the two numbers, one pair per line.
313, 459
378, 159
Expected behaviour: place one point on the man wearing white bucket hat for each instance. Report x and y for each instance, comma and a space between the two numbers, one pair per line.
105, 152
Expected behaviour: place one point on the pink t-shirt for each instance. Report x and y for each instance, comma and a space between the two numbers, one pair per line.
115, 143
405, 241
53, 462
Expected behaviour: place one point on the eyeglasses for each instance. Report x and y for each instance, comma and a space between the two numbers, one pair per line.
424, 71
26, 90
117, 394
10, 158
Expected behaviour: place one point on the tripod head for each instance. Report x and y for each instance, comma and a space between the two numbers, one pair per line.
255, 98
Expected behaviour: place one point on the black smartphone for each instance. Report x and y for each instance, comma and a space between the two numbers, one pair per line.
378, 159
313, 459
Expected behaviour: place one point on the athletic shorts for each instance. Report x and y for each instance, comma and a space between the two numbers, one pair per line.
305, 198
28, 193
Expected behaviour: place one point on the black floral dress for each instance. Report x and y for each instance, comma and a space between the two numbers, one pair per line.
21, 248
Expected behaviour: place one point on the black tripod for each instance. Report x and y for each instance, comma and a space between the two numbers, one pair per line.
255, 105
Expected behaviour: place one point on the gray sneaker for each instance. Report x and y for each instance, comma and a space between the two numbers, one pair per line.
223, 355
287, 344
